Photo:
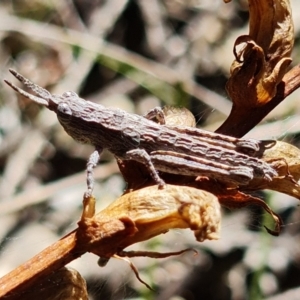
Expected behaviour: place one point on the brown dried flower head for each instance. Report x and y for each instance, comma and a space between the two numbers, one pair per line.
265, 54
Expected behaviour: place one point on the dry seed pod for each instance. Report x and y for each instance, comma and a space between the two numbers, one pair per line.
65, 284
178, 116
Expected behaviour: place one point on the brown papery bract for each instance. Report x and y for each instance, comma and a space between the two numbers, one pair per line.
265, 54
285, 158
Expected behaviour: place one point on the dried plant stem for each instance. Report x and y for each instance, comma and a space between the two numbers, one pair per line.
56, 256
28, 274
240, 121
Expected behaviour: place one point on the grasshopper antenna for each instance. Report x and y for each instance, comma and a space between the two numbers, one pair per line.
44, 95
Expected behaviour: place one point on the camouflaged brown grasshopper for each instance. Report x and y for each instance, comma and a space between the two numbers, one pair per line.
160, 147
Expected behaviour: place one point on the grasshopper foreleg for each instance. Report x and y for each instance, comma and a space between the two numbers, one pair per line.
156, 113
90, 166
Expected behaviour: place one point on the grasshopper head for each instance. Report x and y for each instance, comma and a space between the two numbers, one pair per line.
67, 106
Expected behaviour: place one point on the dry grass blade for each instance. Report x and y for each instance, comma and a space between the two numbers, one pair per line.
112, 55
40, 194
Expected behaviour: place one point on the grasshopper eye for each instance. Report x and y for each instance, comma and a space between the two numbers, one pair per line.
64, 111
69, 94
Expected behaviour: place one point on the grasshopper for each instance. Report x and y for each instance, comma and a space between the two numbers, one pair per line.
160, 147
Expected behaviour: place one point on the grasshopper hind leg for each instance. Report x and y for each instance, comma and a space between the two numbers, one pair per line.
143, 157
